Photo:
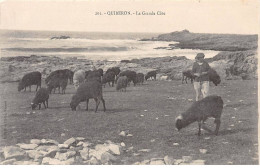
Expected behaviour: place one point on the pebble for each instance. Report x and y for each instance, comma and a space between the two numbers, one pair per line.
203, 151
122, 144
144, 150
157, 118
145, 110
122, 133
129, 135
229, 129
152, 140
232, 125
141, 115
225, 142
233, 117
207, 138
187, 158
175, 144
62, 134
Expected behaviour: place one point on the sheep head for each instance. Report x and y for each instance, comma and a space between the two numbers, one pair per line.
178, 122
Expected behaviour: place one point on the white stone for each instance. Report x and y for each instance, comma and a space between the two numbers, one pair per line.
80, 143
35, 141
129, 135
62, 134
8, 162
70, 141
84, 153
168, 160
157, 162
178, 161
63, 146
91, 161
27, 146
145, 162
80, 139
198, 162
115, 149
106, 157
26, 163
203, 151
187, 159
65, 156
175, 144
122, 144
13, 152
34, 154
122, 133
144, 150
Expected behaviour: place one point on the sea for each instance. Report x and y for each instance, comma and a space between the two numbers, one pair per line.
111, 46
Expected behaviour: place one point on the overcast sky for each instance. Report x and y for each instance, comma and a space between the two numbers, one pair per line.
222, 16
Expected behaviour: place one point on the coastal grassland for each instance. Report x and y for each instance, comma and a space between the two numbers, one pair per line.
148, 113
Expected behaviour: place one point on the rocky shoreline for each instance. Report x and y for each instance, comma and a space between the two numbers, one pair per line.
229, 65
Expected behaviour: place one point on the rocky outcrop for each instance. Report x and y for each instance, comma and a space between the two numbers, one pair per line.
50, 152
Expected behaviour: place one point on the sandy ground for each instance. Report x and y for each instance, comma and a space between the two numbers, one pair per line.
148, 113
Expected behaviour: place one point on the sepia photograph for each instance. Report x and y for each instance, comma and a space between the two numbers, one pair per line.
129, 82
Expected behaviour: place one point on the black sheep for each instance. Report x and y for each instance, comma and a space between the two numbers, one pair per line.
214, 77
108, 77
200, 111
151, 74
131, 76
57, 82
41, 96
86, 91
116, 70
61, 73
140, 78
187, 75
32, 78
94, 75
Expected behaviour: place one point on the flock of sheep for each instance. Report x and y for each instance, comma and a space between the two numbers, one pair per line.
89, 86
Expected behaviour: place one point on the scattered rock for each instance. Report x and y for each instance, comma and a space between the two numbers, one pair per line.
13, 152
70, 141
187, 159
115, 149
122, 144
178, 161
136, 154
145, 110
157, 162
86, 144
80, 139
34, 154
141, 115
106, 157
198, 162
26, 163
65, 156
91, 161
145, 162
35, 141
8, 162
152, 140
207, 138
48, 151
27, 146
122, 133
63, 146
144, 150
168, 160
129, 135
175, 144
203, 151
84, 153
49, 142
62, 134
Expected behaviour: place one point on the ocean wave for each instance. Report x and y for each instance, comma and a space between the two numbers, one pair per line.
74, 49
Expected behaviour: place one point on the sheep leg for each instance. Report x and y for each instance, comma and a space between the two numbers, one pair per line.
36, 87
44, 104
182, 79
39, 106
217, 121
112, 83
97, 103
103, 101
199, 133
47, 103
87, 104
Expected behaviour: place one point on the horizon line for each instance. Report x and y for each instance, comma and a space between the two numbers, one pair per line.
121, 32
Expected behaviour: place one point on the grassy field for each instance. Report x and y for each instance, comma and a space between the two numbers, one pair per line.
148, 113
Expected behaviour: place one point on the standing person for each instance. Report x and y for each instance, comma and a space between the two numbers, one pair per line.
200, 70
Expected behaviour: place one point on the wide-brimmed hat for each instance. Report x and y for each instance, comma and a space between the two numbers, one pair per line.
200, 55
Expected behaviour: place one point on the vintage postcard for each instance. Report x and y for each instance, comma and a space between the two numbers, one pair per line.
129, 82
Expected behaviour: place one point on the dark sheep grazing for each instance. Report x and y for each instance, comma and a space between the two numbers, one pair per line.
41, 96
131, 76
57, 82
61, 73
86, 73
200, 111
187, 75
86, 91
101, 72
70, 75
32, 78
122, 83
140, 78
94, 75
151, 74
116, 70
109, 77
214, 77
